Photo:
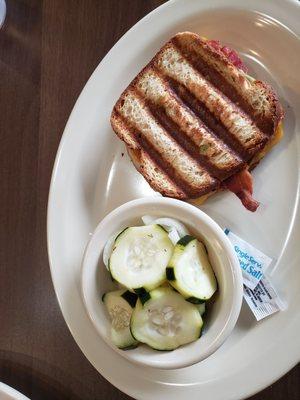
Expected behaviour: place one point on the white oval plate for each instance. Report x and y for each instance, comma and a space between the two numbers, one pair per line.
92, 175
9, 393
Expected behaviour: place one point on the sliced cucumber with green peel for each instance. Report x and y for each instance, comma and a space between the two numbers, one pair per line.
143, 294
120, 304
139, 257
189, 271
165, 321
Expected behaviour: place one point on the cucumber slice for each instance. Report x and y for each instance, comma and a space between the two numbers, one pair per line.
189, 271
140, 256
120, 304
166, 321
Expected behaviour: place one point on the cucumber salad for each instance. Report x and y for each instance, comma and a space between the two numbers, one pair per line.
163, 278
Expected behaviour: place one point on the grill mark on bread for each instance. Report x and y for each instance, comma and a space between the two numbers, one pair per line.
213, 123
214, 77
156, 176
133, 109
172, 63
142, 160
190, 132
167, 168
184, 141
216, 68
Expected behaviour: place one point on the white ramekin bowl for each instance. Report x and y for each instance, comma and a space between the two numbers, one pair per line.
225, 310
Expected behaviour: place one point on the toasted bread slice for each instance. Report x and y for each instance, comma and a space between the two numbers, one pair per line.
192, 120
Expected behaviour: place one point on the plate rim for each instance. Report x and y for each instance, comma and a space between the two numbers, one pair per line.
11, 392
229, 4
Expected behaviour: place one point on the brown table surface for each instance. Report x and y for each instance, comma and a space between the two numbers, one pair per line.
48, 49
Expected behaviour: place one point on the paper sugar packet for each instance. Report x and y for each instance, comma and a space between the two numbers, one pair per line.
259, 293
263, 299
252, 261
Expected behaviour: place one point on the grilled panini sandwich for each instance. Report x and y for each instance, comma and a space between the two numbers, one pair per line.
195, 123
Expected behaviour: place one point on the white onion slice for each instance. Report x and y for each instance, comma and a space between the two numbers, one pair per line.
173, 223
108, 248
173, 235
148, 220
170, 224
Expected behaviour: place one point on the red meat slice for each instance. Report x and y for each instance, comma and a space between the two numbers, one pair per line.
241, 184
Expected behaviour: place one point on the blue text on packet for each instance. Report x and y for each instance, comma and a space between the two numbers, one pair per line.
248, 263
252, 261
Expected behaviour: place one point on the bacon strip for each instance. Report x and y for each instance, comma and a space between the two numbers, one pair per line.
241, 184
